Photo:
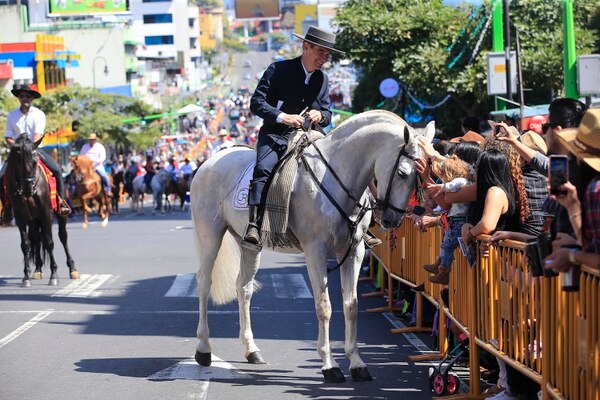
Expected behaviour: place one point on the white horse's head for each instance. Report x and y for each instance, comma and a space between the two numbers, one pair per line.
396, 177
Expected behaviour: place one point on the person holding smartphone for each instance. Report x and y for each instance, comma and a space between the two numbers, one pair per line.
581, 201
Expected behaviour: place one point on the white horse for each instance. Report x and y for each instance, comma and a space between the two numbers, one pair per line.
158, 183
374, 144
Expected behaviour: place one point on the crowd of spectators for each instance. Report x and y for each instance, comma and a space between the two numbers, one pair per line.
499, 186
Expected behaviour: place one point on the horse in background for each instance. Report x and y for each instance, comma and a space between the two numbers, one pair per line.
117, 190
159, 184
179, 189
89, 187
329, 212
29, 196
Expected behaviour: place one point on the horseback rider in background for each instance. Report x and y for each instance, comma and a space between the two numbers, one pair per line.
97, 153
31, 121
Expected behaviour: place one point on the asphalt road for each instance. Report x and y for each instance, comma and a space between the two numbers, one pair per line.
126, 330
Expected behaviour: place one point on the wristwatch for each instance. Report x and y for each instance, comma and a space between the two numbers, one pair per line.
572, 258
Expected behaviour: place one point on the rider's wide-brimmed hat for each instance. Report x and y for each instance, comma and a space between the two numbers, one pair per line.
319, 37
534, 141
18, 89
223, 132
584, 142
92, 136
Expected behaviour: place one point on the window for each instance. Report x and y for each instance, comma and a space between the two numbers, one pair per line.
193, 43
154, 40
191, 22
158, 18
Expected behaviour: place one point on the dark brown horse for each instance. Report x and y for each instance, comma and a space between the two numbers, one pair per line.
89, 187
29, 196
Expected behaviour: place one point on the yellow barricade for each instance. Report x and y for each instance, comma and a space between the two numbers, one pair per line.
506, 311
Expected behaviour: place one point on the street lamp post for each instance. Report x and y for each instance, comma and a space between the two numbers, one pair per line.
94, 67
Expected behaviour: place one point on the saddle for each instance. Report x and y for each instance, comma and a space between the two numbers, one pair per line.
274, 225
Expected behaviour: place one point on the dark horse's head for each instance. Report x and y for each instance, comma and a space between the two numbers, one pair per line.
22, 166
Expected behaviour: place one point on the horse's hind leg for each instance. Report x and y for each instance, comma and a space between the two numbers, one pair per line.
317, 272
250, 262
349, 272
46, 236
63, 236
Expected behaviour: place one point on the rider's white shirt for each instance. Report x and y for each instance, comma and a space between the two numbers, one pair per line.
31, 123
96, 153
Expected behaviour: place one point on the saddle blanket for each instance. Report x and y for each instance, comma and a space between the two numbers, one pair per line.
242, 189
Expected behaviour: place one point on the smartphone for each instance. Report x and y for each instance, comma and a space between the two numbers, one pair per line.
418, 210
558, 173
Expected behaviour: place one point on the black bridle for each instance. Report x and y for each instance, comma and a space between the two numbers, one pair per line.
362, 208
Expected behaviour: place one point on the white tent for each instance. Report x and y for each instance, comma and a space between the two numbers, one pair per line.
190, 108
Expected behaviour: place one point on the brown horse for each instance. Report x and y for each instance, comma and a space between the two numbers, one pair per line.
89, 187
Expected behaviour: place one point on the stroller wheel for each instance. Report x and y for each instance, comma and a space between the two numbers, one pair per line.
439, 383
453, 384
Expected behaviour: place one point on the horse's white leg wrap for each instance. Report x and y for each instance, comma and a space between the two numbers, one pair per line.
245, 288
349, 273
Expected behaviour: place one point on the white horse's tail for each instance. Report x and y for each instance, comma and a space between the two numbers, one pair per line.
225, 271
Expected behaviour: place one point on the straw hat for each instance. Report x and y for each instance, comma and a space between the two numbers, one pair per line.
319, 37
92, 136
534, 141
470, 136
584, 142
223, 132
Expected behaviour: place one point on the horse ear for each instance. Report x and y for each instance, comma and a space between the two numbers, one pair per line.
430, 131
406, 134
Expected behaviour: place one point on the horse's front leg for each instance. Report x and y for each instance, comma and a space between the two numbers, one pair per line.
26, 249
250, 261
317, 272
349, 273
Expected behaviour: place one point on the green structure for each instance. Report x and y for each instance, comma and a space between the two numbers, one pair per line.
570, 55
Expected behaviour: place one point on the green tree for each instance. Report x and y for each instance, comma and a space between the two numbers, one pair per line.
427, 46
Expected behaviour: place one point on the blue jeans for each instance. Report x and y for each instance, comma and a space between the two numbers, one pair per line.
102, 172
450, 243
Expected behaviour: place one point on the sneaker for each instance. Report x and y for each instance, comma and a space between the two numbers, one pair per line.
371, 241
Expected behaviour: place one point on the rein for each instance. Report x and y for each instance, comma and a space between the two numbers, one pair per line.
363, 208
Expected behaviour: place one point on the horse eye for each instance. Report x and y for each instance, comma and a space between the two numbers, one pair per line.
402, 174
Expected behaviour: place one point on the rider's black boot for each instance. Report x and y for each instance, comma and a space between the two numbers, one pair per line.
252, 230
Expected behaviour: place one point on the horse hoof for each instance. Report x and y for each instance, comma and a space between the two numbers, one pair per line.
255, 358
361, 374
105, 223
333, 375
37, 276
74, 275
26, 283
203, 359
53, 282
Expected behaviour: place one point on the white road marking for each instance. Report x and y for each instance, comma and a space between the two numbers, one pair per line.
290, 286
411, 337
84, 286
23, 328
184, 285
189, 369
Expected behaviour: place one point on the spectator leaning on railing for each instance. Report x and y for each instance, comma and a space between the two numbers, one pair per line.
584, 144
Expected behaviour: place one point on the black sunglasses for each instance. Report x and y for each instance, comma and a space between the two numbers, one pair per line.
547, 126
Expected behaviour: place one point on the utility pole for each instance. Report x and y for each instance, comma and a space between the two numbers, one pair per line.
497, 39
509, 89
570, 56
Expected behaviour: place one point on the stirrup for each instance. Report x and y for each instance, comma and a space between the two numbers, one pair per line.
251, 237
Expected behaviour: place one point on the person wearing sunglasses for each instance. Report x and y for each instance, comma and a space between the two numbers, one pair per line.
563, 113
31, 121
